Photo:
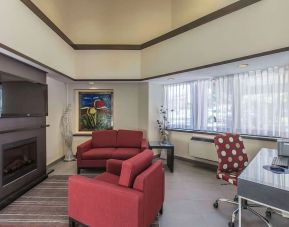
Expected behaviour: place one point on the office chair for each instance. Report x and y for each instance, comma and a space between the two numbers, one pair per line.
232, 159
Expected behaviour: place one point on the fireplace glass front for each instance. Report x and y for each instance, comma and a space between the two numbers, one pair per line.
18, 159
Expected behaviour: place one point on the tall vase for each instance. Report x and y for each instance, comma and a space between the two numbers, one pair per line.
67, 134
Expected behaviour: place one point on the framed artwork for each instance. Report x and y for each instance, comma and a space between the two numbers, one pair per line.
95, 110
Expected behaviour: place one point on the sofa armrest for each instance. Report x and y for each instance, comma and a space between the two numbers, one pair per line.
144, 144
152, 183
114, 166
83, 147
98, 203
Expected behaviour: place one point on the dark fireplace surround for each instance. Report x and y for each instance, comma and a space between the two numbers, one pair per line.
22, 158
22, 141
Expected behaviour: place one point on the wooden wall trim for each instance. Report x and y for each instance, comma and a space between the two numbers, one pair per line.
265, 53
106, 47
275, 51
194, 24
201, 21
46, 20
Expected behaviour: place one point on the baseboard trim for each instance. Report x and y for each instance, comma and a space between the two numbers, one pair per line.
198, 163
54, 162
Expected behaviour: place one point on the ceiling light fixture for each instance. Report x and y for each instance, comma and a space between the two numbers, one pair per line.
243, 65
91, 83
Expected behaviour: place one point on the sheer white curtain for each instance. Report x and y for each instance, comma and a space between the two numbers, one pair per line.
190, 102
261, 102
202, 103
223, 103
255, 102
178, 103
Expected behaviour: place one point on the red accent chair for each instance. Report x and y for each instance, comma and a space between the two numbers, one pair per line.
129, 194
232, 160
109, 144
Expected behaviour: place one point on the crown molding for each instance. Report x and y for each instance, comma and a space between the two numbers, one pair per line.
261, 54
194, 24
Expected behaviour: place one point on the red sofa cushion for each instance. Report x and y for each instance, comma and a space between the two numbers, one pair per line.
108, 177
125, 153
105, 138
134, 166
129, 138
98, 153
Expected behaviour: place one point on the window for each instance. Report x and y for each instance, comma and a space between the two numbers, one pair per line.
255, 102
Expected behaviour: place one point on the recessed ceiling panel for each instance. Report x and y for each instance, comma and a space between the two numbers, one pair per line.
123, 21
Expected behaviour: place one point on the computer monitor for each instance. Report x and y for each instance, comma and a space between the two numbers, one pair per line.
283, 147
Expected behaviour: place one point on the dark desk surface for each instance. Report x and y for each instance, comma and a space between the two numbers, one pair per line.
158, 144
261, 185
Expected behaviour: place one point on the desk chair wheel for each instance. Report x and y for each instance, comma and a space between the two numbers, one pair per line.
231, 224
216, 204
268, 213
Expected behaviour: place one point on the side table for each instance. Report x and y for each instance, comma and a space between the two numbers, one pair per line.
169, 150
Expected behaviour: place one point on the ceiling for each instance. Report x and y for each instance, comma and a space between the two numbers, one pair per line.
123, 21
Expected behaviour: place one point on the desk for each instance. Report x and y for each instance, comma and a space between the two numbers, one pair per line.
261, 186
170, 152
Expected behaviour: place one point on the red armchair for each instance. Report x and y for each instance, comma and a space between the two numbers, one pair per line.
129, 194
109, 144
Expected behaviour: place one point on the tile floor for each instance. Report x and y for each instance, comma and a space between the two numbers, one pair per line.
190, 193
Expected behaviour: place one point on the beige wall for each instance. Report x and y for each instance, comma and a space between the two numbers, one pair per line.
185, 11
247, 31
56, 105
23, 31
143, 106
125, 105
110, 64
155, 96
26, 33
182, 141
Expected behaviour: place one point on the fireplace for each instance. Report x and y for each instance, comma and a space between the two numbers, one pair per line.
19, 158
22, 157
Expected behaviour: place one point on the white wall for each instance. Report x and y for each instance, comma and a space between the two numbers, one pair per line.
181, 140
143, 106
56, 105
247, 31
254, 29
110, 64
155, 101
23, 31
125, 105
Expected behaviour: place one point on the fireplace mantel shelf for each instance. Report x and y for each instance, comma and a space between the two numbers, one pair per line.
23, 129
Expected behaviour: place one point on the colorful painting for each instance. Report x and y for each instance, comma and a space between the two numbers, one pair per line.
95, 110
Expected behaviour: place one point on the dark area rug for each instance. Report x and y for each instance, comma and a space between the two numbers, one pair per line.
44, 205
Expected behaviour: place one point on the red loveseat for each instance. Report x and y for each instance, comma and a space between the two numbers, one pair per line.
129, 194
109, 144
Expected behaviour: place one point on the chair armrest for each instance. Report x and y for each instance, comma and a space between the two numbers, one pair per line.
114, 166
144, 144
83, 147
98, 203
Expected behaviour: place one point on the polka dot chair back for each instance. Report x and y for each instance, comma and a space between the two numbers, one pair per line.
232, 156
